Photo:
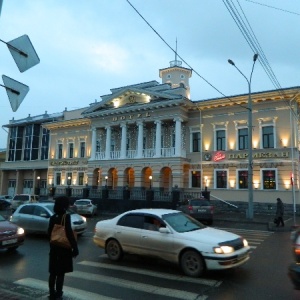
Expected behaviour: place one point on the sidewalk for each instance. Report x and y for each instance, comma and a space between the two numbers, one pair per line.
263, 219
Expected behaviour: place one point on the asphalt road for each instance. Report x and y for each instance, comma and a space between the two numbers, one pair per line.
263, 277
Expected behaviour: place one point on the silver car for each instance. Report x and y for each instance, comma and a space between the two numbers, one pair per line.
173, 236
85, 207
34, 218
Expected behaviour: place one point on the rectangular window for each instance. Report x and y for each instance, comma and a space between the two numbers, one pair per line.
268, 137
196, 179
196, 142
80, 178
221, 177
243, 179
269, 179
58, 179
32, 140
71, 150
220, 140
15, 143
60, 151
82, 149
243, 138
45, 144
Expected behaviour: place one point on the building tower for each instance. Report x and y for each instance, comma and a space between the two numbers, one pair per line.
176, 75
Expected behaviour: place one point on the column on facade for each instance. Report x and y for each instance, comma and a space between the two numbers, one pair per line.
93, 146
178, 136
140, 139
123, 140
158, 139
108, 142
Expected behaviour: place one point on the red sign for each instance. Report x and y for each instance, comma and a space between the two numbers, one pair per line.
219, 156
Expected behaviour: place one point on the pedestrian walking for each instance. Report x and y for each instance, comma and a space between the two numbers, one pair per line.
279, 212
60, 259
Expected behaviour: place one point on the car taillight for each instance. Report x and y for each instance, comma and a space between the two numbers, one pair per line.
190, 208
212, 209
297, 249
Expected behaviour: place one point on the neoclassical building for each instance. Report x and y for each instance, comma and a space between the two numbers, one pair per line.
152, 134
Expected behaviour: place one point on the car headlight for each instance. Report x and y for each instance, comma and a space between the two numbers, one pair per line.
223, 249
84, 218
245, 242
20, 231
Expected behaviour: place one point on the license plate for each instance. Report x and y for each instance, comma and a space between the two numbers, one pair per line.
201, 210
8, 242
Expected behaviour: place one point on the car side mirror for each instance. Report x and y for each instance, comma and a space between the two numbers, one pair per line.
44, 216
164, 230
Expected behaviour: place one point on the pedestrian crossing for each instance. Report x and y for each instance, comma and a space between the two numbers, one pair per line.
254, 237
104, 280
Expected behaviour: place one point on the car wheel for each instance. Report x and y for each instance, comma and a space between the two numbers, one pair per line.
12, 249
192, 263
114, 250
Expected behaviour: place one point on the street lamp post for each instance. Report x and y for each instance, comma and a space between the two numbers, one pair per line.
250, 156
150, 179
106, 177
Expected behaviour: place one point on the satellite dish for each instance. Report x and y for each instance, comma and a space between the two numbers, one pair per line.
23, 53
16, 91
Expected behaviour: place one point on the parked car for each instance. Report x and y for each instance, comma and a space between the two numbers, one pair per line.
198, 208
85, 207
11, 235
4, 204
20, 199
294, 268
173, 236
34, 218
6, 197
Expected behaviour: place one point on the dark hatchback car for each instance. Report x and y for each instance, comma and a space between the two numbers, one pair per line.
198, 208
11, 235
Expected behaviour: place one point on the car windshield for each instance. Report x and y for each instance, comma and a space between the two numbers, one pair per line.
82, 202
199, 202
21, 197
181, 222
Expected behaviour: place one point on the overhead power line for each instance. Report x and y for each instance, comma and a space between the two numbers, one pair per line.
176, 53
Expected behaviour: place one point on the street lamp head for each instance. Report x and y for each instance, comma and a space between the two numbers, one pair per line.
231, 62
255, 57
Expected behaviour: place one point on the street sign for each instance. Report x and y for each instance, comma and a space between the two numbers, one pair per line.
23, 53
16, 91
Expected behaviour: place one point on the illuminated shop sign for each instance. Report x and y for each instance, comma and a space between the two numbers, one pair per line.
64, 163
220, 155
279, 154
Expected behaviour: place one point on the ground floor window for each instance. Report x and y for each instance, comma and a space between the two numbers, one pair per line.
269, 179
80, 178
58, 179
196, 179
221, 179
243, 179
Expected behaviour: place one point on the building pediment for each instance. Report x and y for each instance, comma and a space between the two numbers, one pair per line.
130, 97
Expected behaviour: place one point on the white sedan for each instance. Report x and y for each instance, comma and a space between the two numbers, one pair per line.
173, 236
85, 207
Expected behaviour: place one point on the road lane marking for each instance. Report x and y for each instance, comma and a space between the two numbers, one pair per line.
141, 287
202, 281
69, 292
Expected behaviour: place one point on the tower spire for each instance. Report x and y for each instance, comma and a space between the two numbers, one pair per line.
175, 62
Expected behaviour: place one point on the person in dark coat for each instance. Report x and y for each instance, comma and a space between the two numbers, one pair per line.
60, 259
279, 212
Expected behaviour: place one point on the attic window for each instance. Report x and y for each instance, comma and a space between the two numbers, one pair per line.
169, 76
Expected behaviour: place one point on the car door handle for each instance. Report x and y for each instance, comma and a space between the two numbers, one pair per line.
144, 236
